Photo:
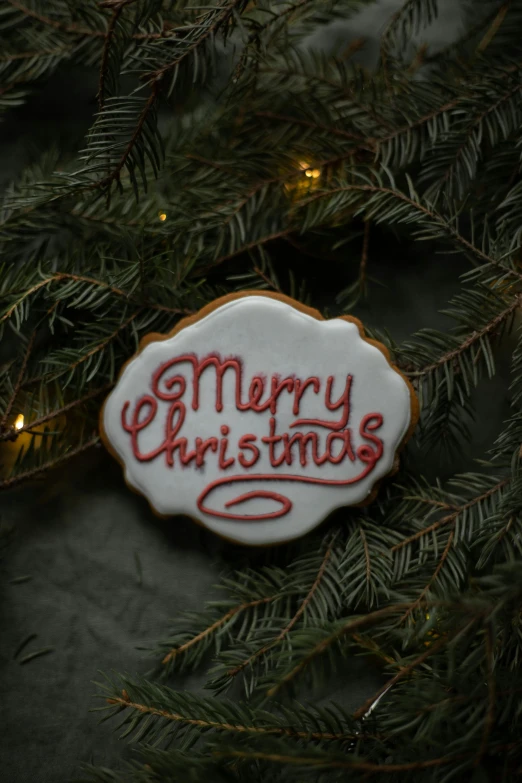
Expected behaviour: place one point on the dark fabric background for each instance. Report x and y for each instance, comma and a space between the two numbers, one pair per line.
78, 532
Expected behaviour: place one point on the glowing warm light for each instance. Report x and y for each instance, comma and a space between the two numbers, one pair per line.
162, 216
309, 171
19, 421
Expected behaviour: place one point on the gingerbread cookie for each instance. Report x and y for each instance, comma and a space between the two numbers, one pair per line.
258, 418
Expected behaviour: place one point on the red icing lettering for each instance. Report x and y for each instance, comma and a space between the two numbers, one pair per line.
224, 463
202, 447
181, 376
344, 401
247, 442
300, 388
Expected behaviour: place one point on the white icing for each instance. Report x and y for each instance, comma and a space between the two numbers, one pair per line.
270, 337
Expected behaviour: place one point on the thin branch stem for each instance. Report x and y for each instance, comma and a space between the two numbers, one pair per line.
59, 276
470, 340
267, 280
286, 630
57, 412
437, 571
348, 628
435, 647
68, 28
363, 144
284, 731
18, 383
214, 627
450, 518
31, 55
34, 472
434, 216
75, 29
105, 55
494, 27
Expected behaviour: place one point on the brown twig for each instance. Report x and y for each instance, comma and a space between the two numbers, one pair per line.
57, 412
217, 624
436, 217
348, 628
494, 27
114, 175
18, 383
28, 474
372, 646
286, 630
450, 518
470, 129
367, 109
105, 55
124, 701
432, 502
68, 28
309, 124
59, 276
30, 55
227, 13
48, 377
75, 29
437, 571
267, 280
155, 79
435, 647
104, 343
32, 290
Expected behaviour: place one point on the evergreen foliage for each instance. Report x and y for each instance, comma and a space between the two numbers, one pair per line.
219, 138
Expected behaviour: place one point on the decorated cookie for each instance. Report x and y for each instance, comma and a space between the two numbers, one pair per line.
257, 417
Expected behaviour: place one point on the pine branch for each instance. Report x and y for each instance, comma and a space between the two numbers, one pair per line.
214, 627
433, 579
286, 630
450, 519
496, 23
435, 219
36, 472
285, 731
46, 20
32, 425
18, 384
409, 18
75, 29
346, 628
405, 670
475, 337
105, 54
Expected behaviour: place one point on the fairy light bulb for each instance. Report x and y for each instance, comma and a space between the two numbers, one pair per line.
162, 216
309, 171
19, 421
